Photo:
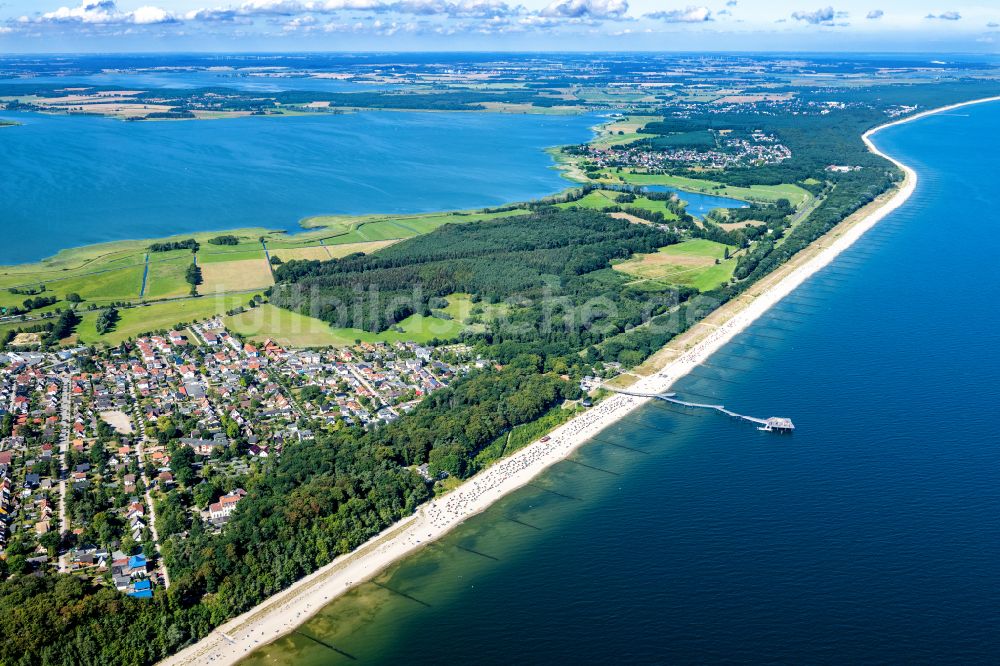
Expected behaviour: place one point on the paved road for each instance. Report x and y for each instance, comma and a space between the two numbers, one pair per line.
64, 430
141, 440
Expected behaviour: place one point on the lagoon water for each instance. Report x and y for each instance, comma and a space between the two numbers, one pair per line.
72, 180
872, 535
699, 204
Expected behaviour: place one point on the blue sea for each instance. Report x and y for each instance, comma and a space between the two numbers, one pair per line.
871, 535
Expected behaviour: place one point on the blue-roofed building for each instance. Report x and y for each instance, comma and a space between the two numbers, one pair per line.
142, 589
136, 565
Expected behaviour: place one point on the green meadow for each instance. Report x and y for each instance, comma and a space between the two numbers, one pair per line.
691, 263
604, 199
294, 329
135, 321
759, 193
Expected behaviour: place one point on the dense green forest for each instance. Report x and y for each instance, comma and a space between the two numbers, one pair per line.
551, 258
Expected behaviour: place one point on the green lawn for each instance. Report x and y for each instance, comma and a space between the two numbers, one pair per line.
709, 278
697, 247
284, 327
293, 329
147, 318
654, 206
596, 200
604, 199
419, 328
460, 308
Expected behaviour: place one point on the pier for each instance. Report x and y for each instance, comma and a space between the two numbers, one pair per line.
778, 424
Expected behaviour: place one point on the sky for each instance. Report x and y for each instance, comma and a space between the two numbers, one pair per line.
63, 26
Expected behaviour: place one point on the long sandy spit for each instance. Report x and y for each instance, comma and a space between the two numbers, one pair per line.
286, 610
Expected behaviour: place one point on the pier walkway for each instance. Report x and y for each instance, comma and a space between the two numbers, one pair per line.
772, 424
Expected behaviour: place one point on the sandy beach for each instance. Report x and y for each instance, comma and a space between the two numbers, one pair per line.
286, 610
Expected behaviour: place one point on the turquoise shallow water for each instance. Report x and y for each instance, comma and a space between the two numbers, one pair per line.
77, 180
872, 535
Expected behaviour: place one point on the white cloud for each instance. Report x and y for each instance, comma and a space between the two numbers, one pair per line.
464, 8
150, 16
272, 7
820, 16
993, 24
294, 8
875, 14
104, 12
945, 16
599, 9
485, 9
687, 15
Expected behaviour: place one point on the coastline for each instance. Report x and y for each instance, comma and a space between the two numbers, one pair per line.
286, 610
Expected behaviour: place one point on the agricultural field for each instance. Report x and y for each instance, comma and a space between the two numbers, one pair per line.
327, 252
338, 251
623, 130
350, 230
237, 253
106, 286
691, 263
166, 275
249, 271
314, 252
113, 273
